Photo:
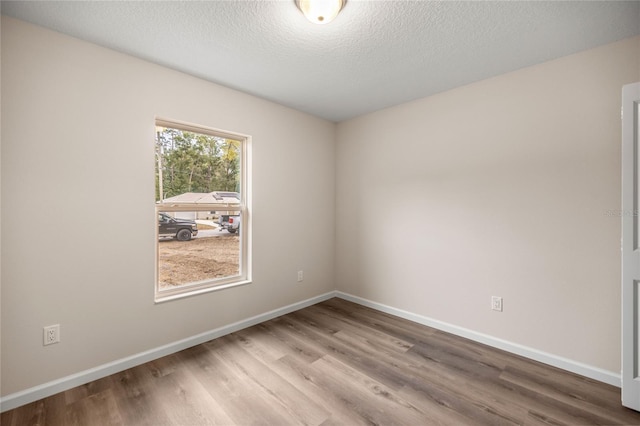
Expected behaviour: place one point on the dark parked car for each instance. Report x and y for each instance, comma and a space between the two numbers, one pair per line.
180, 229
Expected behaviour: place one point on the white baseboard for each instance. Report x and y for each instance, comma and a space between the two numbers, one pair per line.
534, 354
51, 388
35, 393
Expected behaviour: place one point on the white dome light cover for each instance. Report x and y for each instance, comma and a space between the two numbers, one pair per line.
320, 11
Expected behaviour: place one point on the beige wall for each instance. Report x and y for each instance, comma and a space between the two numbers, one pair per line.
77, 138
501, 187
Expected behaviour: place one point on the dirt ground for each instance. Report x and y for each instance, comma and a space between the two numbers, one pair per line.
182, 262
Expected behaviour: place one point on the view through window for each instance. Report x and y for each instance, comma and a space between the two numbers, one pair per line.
200, 205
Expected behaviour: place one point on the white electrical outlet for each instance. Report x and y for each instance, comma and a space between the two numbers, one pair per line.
496, 303
51, 334
300, 276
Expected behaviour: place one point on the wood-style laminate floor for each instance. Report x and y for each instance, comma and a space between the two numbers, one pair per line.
335, 363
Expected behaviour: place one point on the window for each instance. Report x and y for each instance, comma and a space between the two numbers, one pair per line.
203, 227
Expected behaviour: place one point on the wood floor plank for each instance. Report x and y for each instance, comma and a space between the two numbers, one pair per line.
335, 363
289, 342
367, 358
162, 366
29, 414
464, 363
191, 403
305, 378
440, 406
55, 409
86, 390
441, 385
540, 419
578, 387
262, 345
278, 391
393, 326
371, 399
394, 373
398, 368
133, 391
230, 385
572, 397
371, 335
98, 409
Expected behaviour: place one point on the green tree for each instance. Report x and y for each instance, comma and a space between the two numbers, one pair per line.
229, 165
193, 162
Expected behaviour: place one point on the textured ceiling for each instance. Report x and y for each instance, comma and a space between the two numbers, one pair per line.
374, 55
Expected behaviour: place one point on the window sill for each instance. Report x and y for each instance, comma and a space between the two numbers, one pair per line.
160, 298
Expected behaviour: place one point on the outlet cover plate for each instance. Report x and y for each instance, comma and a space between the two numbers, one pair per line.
496, 303
51, 334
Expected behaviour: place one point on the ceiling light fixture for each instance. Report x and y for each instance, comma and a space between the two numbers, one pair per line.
320, 11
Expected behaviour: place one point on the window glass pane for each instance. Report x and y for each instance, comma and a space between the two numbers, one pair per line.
192, 250
199, 208
189, 162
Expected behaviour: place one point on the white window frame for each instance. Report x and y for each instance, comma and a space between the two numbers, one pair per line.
243, 206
